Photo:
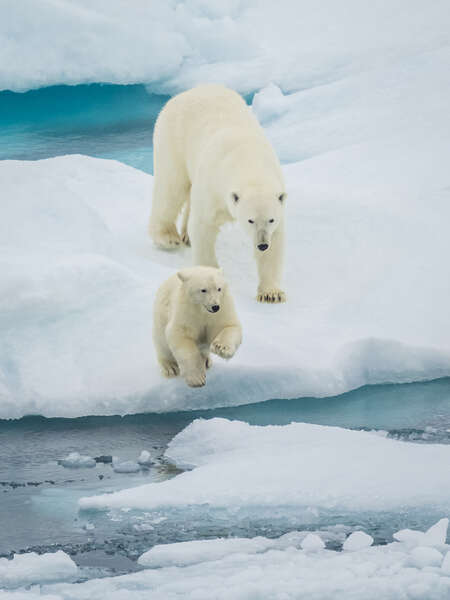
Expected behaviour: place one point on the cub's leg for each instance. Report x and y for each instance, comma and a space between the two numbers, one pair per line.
184, 223
167, 362
188, 356
270, 266
227, 341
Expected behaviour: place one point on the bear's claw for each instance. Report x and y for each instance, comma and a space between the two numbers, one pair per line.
185, 238
170, 369
271, 296
196, 379
222, 350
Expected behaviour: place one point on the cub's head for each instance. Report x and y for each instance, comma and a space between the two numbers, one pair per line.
259, 211
204, 286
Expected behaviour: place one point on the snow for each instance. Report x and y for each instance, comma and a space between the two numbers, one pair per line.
237, 465
32, 568
145, 458
422, 556
76, 460
312, 543
358, 540
241, 568
365, 277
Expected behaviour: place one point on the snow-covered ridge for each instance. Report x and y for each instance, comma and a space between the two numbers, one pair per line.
367, 295
175, 44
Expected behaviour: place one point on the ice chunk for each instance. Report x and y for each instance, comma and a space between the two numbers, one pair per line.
145, 458
312, 543
423, 556
127, 466
435, 536
236, 464
75, 460
32, 568
358, 540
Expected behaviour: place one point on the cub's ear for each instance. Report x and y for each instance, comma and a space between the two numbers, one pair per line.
235, 197
282, 197
183, 276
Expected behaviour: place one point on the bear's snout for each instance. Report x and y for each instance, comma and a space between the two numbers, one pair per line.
215, 308
263, 247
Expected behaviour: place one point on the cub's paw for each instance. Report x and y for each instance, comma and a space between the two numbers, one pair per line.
169, 368
221, 349
185, 238
196, 379
271, 296
167, 238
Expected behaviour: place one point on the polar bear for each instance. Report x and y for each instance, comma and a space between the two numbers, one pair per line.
212, 156
194, 314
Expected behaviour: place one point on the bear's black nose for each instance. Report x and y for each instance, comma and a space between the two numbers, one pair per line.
215, 308
263, 247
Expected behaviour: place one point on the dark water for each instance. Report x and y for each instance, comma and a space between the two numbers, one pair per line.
106, 121
38, 497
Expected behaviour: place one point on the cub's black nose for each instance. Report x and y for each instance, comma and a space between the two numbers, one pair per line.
263, 247
215, 308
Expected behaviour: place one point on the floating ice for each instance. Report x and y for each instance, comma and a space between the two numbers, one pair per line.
436, 535
358, 540
236, 464
263, 568
75, 460
312, 543
79, 275
32, 568
127, 466
145, 458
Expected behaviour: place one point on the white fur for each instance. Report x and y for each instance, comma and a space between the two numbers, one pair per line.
212, 155
185, 330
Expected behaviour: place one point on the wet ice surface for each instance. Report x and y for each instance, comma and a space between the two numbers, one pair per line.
43, 495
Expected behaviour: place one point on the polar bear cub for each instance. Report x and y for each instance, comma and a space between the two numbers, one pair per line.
194, 315
212, 156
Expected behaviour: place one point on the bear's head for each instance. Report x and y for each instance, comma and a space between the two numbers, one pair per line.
204, 286
259, 210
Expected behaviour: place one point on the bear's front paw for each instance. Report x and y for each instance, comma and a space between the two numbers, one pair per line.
196, 379
185, 238
167, 238
221, 349
169, 368
272, 296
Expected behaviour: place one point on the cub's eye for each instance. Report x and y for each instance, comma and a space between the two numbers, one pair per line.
219, 289
204, 291
251, 221
271, 220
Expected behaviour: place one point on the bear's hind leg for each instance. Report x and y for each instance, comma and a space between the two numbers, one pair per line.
168, 199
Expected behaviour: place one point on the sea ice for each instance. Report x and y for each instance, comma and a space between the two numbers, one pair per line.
422, 556
263, 568
79, 275
127, 466
76, 460
32, 568
235, 464
145, 458
358, 540
312, 543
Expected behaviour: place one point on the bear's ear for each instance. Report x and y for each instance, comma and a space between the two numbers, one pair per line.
235, 197
282, 197
183, 276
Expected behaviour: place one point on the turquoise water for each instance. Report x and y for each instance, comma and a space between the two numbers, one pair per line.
106, 121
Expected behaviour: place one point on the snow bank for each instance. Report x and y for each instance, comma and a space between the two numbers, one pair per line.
262, 568
32, 568
367, 288
246, 44
236, 464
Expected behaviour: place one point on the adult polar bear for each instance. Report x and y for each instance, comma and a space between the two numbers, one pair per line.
211, 154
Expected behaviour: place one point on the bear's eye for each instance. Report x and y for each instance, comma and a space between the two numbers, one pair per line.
204, 291
251, 221
271, 220
219, 289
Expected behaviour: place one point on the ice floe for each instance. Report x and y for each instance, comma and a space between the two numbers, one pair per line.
32, 568
235, 464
